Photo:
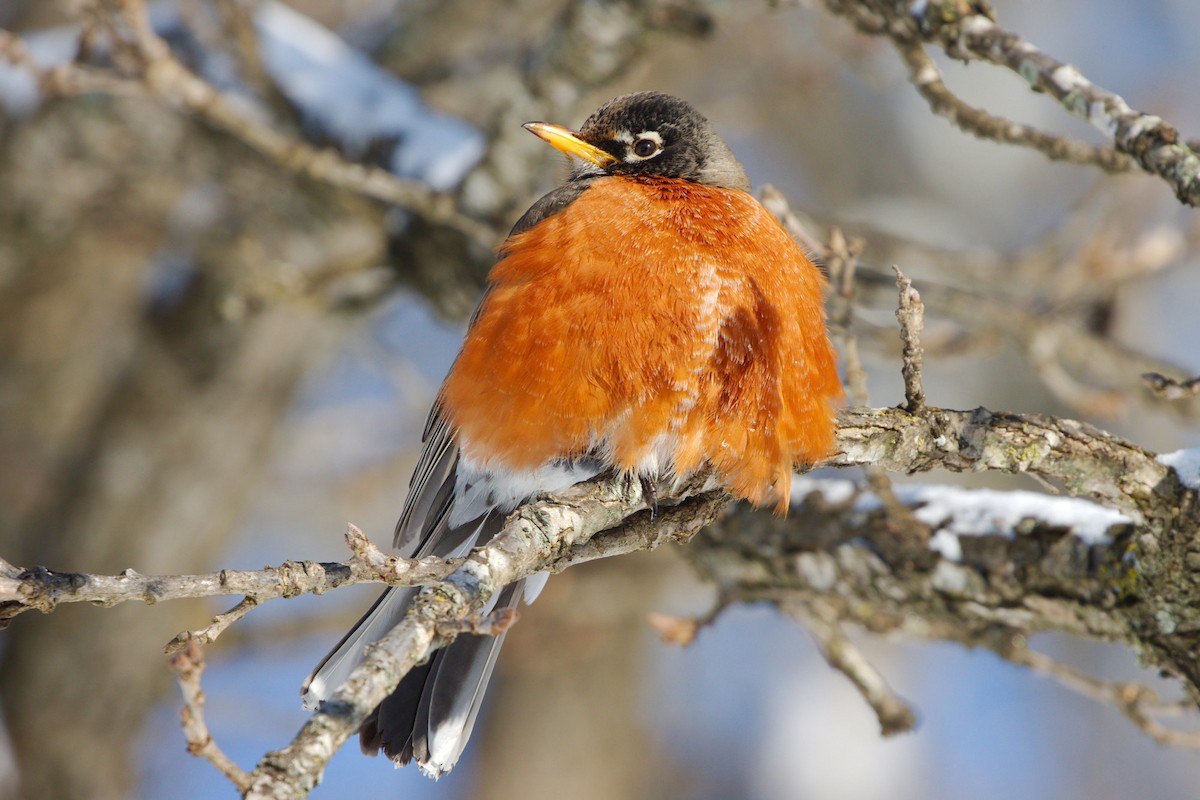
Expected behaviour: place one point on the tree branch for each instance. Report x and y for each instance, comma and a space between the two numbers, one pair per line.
558, 531
1137, 702
1050, 567
895, 716
1167, 388
158, 73
911, 315
533, 538
925, 76
967, 30
188, 666
1087, 461
41, 589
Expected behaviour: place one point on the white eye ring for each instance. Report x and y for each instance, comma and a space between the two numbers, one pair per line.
646, 144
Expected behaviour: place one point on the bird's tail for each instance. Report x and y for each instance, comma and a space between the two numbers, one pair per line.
430, 715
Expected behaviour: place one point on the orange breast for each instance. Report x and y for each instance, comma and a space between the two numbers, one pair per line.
660, 323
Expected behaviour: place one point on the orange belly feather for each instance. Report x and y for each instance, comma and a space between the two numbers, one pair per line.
661, 324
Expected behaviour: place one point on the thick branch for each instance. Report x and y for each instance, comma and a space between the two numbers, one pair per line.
914, 587
838, 560
1085, 460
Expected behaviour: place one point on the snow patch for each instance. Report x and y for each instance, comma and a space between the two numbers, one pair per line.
946, 545
340, 91
357, 102
982, 512
955, 512
1186, 464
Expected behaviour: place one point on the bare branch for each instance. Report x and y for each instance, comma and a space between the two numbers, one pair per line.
988, 589
1167, 388
841, 259
1045, 345
1134, 700
539, 534
1058, 346
927, 78
560, 530
161, 75
209, 633
682, 631
1086, 460
188, 666
532, 539
963, 32
911, 315
895, 716
41, 589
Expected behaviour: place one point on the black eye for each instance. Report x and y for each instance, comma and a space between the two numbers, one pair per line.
644, 148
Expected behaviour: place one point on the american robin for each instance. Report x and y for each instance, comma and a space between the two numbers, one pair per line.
648, 316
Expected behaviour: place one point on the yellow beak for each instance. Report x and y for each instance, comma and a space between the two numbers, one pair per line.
568, 142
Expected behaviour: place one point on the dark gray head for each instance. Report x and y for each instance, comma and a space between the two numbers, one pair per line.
652, 134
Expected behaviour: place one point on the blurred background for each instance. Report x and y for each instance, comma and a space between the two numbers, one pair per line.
208, 361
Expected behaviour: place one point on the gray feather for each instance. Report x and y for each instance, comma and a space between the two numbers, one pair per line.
452, 506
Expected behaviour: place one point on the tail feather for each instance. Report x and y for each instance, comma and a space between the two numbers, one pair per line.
445, 712
335, 668
452, 507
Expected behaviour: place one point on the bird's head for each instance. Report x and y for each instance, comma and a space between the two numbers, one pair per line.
647, 134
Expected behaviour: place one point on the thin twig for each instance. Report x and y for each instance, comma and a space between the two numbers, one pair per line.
1166, 388
927, 78
1045, 345
237, 19
894, 714
841, 257
682, 631
188, 666
41, 589
911, 314
209, 633
967, 30
1136, 701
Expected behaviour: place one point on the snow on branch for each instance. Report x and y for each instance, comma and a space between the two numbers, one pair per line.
559, 531
999, 567
1103, 593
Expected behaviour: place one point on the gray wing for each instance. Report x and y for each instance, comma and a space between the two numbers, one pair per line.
423, 530
430, 715
426, 513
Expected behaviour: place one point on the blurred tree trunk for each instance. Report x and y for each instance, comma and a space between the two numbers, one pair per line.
139, 387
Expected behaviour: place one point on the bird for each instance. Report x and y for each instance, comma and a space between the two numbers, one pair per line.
647, 317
